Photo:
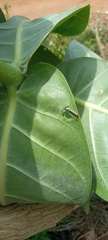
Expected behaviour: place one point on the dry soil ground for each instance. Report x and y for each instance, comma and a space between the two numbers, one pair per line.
37, 8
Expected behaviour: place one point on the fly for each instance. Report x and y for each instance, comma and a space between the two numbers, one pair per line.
71, 111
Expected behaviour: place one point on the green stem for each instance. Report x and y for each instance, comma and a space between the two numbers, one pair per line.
5, 139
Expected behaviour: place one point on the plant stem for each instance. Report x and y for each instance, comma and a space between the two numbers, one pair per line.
5, 139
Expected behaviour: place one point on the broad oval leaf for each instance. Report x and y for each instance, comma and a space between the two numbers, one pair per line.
88, 80
20, 37
44, 155
77, 50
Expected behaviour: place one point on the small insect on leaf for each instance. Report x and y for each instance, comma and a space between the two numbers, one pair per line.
71, 111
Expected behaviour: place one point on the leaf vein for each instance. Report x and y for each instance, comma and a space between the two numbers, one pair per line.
47, 149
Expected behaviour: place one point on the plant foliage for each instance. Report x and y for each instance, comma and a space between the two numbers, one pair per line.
53, 114
88, 80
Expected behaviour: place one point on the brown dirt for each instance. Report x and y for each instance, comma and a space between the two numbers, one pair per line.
37, 8
82, 226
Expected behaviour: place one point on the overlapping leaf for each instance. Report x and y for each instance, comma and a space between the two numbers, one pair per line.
77, 50
20, 37
88, 80
47, 157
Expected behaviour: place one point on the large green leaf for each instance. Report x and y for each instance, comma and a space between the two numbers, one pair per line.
88, 80
20, 37
77, 50
44, 155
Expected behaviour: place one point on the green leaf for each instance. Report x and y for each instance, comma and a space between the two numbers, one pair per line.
20, 37
77, 50
88, 80
77, 24
43, 55
44, 155
2, 16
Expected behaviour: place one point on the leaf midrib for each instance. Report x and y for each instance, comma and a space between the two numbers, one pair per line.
18, 43
91, 106
5, 138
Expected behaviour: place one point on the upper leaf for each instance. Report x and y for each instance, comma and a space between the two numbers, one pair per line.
88, 80
20, 37
44, 155
76, 25
2, 16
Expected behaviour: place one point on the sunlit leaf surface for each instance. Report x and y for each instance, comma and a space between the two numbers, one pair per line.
44, 155
88, 80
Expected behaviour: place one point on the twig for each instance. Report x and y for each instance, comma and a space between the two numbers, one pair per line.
103, 235
91, 231
98, 40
